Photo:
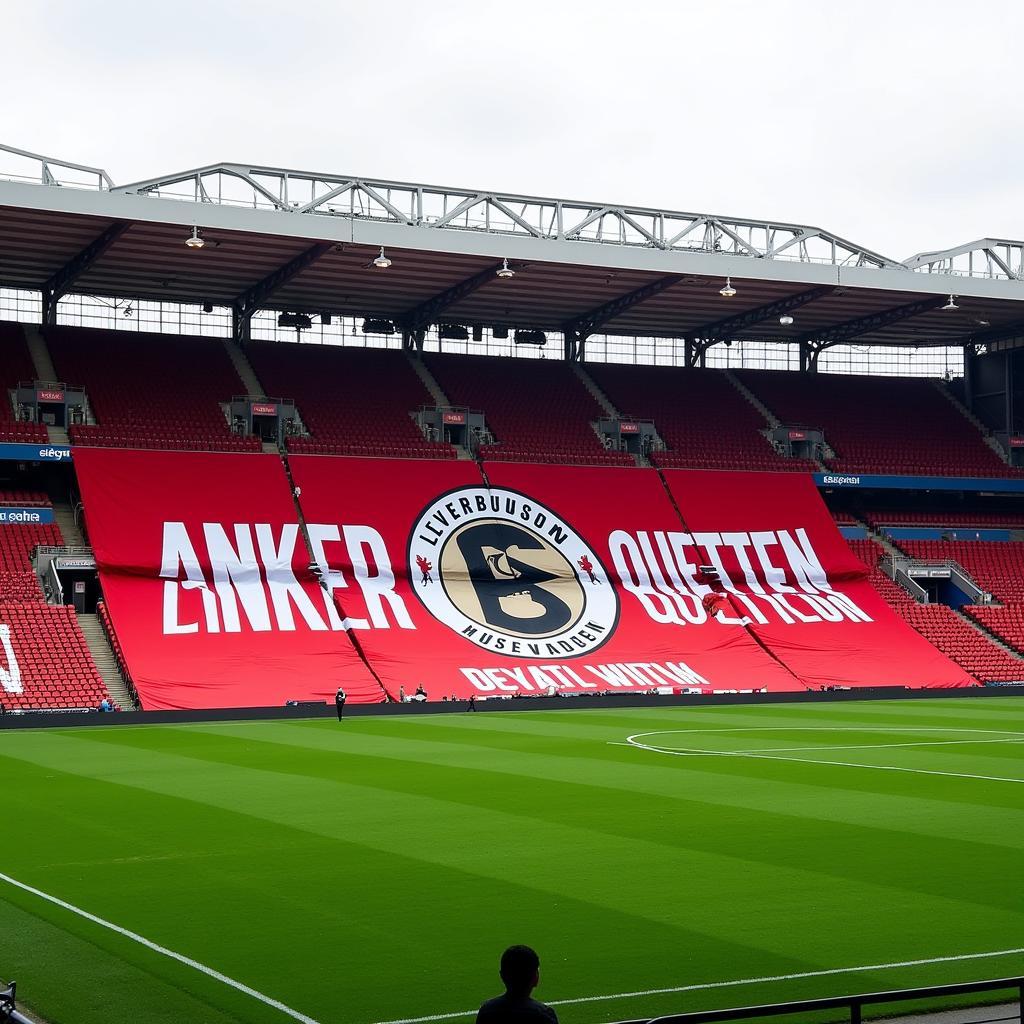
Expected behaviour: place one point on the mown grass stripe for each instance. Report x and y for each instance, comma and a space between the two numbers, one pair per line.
210, 972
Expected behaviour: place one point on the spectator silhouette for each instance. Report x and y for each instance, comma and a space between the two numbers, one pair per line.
520, 971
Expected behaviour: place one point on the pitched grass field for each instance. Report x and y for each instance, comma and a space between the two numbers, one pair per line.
372, 871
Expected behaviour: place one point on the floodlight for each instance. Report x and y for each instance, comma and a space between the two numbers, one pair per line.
727, 292
785, 319
382, 262
951, 305
505, 270
195, 240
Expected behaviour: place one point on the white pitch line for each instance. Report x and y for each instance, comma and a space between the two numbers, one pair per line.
841, 728
869, 746
814, 760
730, 984
162, 950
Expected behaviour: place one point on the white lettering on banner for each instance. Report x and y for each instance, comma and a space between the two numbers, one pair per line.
10, 677
236, 575
257, 574
285, 589
617, 675
377, 587
657, 570
178, 555
330, 579
251, 578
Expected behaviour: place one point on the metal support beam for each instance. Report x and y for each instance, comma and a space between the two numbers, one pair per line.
733, 325
809, 353
426, 313
696, 351
873, 322
59, 284
251, 300
575, 344
412, 340
589, 323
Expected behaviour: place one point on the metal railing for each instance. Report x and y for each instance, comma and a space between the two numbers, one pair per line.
8, 1011
853, 1004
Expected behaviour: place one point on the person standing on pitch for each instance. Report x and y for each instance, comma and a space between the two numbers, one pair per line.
520, 971
339, 702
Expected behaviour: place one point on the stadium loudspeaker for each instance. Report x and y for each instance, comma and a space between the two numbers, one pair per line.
500, 333
478, 334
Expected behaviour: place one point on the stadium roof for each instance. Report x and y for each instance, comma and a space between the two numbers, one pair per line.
301, 241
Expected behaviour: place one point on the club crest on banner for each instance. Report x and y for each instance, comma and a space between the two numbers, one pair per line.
510, 575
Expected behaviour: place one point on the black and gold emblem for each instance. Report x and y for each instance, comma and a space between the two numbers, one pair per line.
511, 576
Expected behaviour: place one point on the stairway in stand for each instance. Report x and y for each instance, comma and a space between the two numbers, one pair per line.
69, 528
40, 354
106, 663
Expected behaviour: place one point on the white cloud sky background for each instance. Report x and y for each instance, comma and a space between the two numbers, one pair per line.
897, 125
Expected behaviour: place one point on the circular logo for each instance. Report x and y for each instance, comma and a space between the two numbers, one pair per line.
509, 575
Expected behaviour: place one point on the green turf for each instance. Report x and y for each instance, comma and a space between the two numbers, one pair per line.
374, 870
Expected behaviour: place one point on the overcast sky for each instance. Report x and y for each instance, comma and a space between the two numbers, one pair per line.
898, 125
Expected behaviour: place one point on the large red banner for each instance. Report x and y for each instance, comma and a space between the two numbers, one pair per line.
206, 577
532, 579
507, 584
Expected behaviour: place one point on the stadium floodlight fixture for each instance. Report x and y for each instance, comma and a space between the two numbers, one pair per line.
785, 319
727, 291
382, 262
505, 270
951, 305
195, 240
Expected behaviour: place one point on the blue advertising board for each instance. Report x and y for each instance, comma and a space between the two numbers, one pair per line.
19, 515
35, 452
865, 481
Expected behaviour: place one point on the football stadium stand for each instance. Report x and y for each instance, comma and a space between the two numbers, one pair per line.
381, 391
961, 519
150, 391
538, 411
964, 644
57, 670
56, 667
941, 625
9, 496
15, 368
996, 566
886, 425
704, 420
17, 541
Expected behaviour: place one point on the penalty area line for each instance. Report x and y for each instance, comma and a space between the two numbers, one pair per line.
734, 983
162, 950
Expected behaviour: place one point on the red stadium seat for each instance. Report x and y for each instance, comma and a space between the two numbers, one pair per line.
885, 425
538, 411
150, 391
700, 415
353, 401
